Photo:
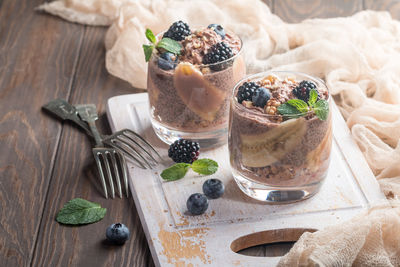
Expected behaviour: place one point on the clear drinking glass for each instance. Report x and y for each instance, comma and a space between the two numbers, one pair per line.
192, 101
276, 159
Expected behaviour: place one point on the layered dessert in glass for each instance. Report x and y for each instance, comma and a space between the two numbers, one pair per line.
280, 135
189, 92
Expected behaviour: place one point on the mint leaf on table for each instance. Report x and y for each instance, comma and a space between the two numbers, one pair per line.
299, 104
175, 172
313, 97
205, 166
321, 109
150, 36
289, 111
80, 211
148, 50
170, 45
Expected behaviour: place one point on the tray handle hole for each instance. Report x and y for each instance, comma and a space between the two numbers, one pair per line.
271, 243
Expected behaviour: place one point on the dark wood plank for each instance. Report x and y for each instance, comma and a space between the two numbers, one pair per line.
36, 63
75, 175
393, 6
296, 11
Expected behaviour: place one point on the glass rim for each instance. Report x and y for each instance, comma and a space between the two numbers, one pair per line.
251, 77
157, 56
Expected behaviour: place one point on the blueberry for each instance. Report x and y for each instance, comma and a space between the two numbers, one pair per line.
167, 61
197, 204
218, 29
261, 97
213, 188
117, 233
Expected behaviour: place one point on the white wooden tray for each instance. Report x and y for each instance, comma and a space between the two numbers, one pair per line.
235, 221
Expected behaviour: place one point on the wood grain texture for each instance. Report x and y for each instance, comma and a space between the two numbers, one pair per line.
36, 63
38, 58
75, 175
298, 10
393, 6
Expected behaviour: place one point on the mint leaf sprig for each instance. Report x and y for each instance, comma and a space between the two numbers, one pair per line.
179, 170
165, 43
295, 108
80, 211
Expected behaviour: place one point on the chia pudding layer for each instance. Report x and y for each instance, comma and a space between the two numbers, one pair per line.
275, 149
193, 96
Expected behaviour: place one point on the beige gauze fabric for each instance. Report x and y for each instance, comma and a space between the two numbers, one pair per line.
357, 56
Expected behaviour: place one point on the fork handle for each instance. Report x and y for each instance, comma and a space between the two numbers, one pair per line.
95, 132
65, 111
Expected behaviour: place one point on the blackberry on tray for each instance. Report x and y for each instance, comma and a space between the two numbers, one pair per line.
183, 150
178, 31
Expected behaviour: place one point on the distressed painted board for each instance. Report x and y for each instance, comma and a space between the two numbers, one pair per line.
235, 221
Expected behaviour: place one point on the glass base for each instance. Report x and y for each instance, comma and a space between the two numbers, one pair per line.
274, 194
206, 140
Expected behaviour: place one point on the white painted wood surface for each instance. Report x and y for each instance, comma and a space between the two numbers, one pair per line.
178, 239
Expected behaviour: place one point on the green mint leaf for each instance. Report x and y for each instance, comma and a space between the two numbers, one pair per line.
205, 166
170, 45
289, 111
299, 104
313, 97
80, 211
321, 109
175, 172
148, 50
150, 36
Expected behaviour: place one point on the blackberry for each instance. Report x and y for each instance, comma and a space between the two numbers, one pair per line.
178, 31
246, 91
183, 150
302, 91
218, 53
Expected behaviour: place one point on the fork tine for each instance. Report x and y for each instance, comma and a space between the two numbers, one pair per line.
105, 159
100, 168
126, 144
143, 140
114, 164
124, 173
125, 152
136, 143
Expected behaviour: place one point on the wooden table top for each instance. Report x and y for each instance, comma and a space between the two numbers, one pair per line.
45, 163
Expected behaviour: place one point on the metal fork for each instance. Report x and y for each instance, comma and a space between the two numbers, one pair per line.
132, 145
103, 156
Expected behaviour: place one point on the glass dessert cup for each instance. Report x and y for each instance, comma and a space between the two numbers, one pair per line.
279, 159
192, 101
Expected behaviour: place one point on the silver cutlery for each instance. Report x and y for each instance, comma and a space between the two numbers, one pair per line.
131, 144
106, 158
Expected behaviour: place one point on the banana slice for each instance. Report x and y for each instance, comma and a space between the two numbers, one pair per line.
266, 148
199, 95
321, 153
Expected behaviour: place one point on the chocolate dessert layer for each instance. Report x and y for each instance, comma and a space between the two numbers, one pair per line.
194, 97
277, 151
